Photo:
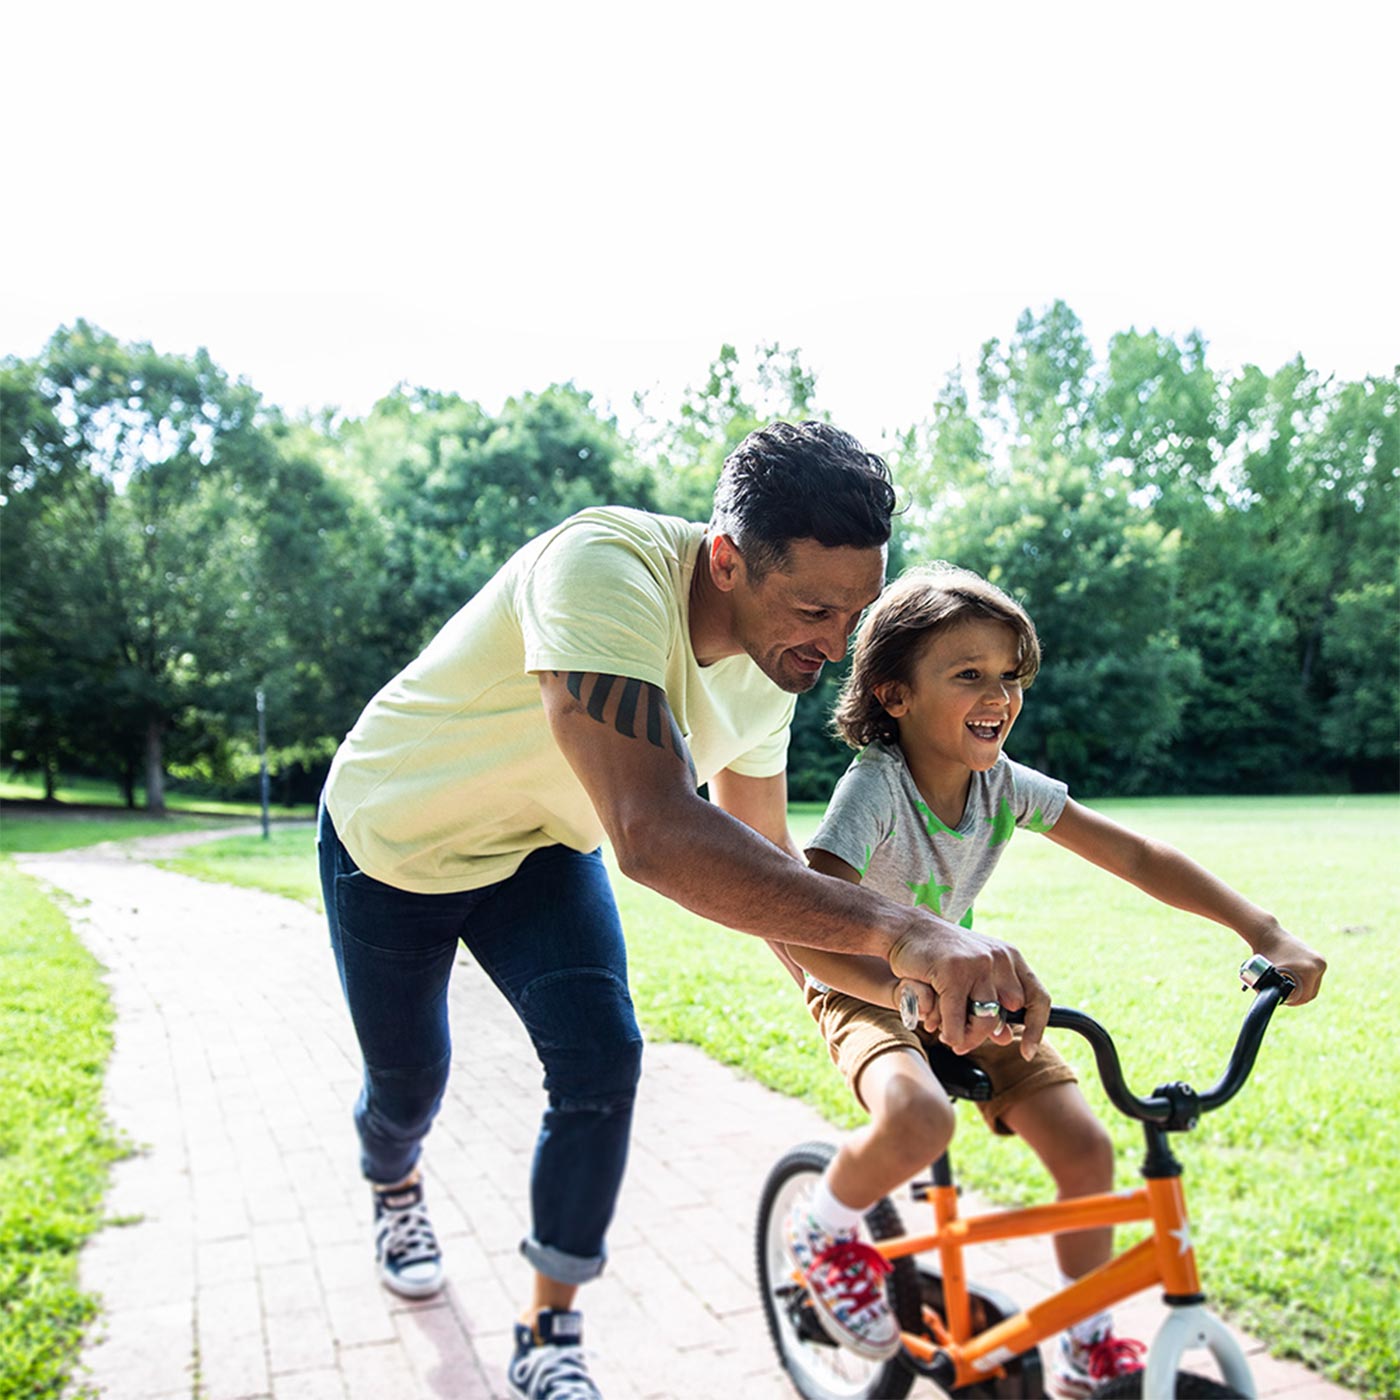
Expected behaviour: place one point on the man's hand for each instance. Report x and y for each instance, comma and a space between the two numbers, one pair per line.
962, 967
1293, 956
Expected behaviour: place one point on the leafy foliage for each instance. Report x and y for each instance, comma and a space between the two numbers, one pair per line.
1210, 558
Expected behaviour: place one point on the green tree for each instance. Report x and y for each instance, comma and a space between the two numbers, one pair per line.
1158, 420
1040, 389
1301, 522
159, 550
1273, 498
457, 491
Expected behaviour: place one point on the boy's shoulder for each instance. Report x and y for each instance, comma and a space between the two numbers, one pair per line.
874, 777
1032, 799
1006, 772
880, 754
878, 761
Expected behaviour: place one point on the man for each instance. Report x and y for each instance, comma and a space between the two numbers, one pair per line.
611, 667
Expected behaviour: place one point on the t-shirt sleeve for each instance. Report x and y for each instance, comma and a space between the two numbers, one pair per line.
859, 817
590, 602
1038, 801
768, 757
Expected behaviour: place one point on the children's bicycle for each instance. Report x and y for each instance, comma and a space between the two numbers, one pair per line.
974, 1342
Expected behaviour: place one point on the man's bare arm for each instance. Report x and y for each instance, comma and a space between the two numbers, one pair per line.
761, 804
621, 739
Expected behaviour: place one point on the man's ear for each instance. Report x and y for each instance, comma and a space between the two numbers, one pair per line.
726, 563
892, 697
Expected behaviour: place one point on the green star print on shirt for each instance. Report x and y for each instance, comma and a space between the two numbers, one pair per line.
930, 893
1003, 824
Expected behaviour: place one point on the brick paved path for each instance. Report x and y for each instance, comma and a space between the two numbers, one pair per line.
246, 1268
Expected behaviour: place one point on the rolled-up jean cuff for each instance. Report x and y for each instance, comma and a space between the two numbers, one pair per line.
562, 1268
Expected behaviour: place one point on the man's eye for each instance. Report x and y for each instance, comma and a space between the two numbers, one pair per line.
816, 614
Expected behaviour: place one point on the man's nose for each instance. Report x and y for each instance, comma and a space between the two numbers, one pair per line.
834, 646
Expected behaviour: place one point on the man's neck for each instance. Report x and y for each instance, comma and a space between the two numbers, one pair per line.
711, 621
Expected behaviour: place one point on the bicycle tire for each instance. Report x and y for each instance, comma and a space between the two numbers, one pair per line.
816, 1366
1189, 1386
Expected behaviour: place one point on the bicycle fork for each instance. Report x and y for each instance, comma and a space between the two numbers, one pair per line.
1189, 1325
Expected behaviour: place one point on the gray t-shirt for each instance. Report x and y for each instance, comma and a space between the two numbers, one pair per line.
879, 825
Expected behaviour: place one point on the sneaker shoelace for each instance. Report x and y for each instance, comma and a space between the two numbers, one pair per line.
810, 1241
556, 1372
852, 1270
1114, 1356
408, 1235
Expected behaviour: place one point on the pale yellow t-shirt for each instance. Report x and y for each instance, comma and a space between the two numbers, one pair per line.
451, 776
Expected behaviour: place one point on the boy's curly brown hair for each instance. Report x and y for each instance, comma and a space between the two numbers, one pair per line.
919, 604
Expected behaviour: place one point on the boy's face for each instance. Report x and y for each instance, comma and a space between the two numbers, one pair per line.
797, 618
963, 699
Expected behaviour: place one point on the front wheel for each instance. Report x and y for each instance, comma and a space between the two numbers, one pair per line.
819, 1368
1188, 1387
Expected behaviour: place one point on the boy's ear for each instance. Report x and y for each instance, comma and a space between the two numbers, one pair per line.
892, 697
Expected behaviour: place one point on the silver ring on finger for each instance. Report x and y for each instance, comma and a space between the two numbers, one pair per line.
986, 1008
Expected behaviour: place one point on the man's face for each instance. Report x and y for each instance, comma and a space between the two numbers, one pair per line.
797, 618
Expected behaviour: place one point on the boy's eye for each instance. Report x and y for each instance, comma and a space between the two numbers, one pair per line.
969, 675
816, 614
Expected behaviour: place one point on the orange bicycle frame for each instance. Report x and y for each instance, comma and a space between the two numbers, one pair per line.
1165, 1257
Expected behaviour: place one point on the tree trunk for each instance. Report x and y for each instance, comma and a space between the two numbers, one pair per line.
129, 783
50, 777
155, 769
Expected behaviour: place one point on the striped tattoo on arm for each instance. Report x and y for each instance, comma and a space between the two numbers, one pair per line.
623, 702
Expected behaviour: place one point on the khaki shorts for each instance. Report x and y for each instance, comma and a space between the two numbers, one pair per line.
856, 1032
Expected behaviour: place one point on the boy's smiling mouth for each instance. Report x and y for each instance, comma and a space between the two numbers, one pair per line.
987, 729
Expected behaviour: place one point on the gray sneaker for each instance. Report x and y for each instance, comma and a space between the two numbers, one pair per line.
551, 1366
405, 1247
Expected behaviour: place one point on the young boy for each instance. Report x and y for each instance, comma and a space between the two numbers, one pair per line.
923, 815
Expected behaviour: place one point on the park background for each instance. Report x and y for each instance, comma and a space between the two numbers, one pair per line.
309, 319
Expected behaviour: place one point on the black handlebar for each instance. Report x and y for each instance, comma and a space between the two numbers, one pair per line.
1178, 1106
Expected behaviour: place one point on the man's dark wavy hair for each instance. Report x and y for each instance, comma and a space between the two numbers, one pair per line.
801, 481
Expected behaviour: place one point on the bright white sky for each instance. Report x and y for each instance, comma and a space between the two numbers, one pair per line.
489, 197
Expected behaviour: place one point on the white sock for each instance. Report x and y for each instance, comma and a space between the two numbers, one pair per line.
832, 1214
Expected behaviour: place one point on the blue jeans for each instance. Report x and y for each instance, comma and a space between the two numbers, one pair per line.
549, 937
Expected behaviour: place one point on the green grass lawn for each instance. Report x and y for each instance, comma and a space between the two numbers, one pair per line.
55, 1037
93, 792
1293, 1186
284, 864
50, 829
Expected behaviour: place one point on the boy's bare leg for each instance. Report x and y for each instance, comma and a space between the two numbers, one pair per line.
911, 1125
1058, 1125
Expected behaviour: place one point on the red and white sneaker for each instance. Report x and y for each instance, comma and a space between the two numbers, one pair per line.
1082, 1367
845, 1280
